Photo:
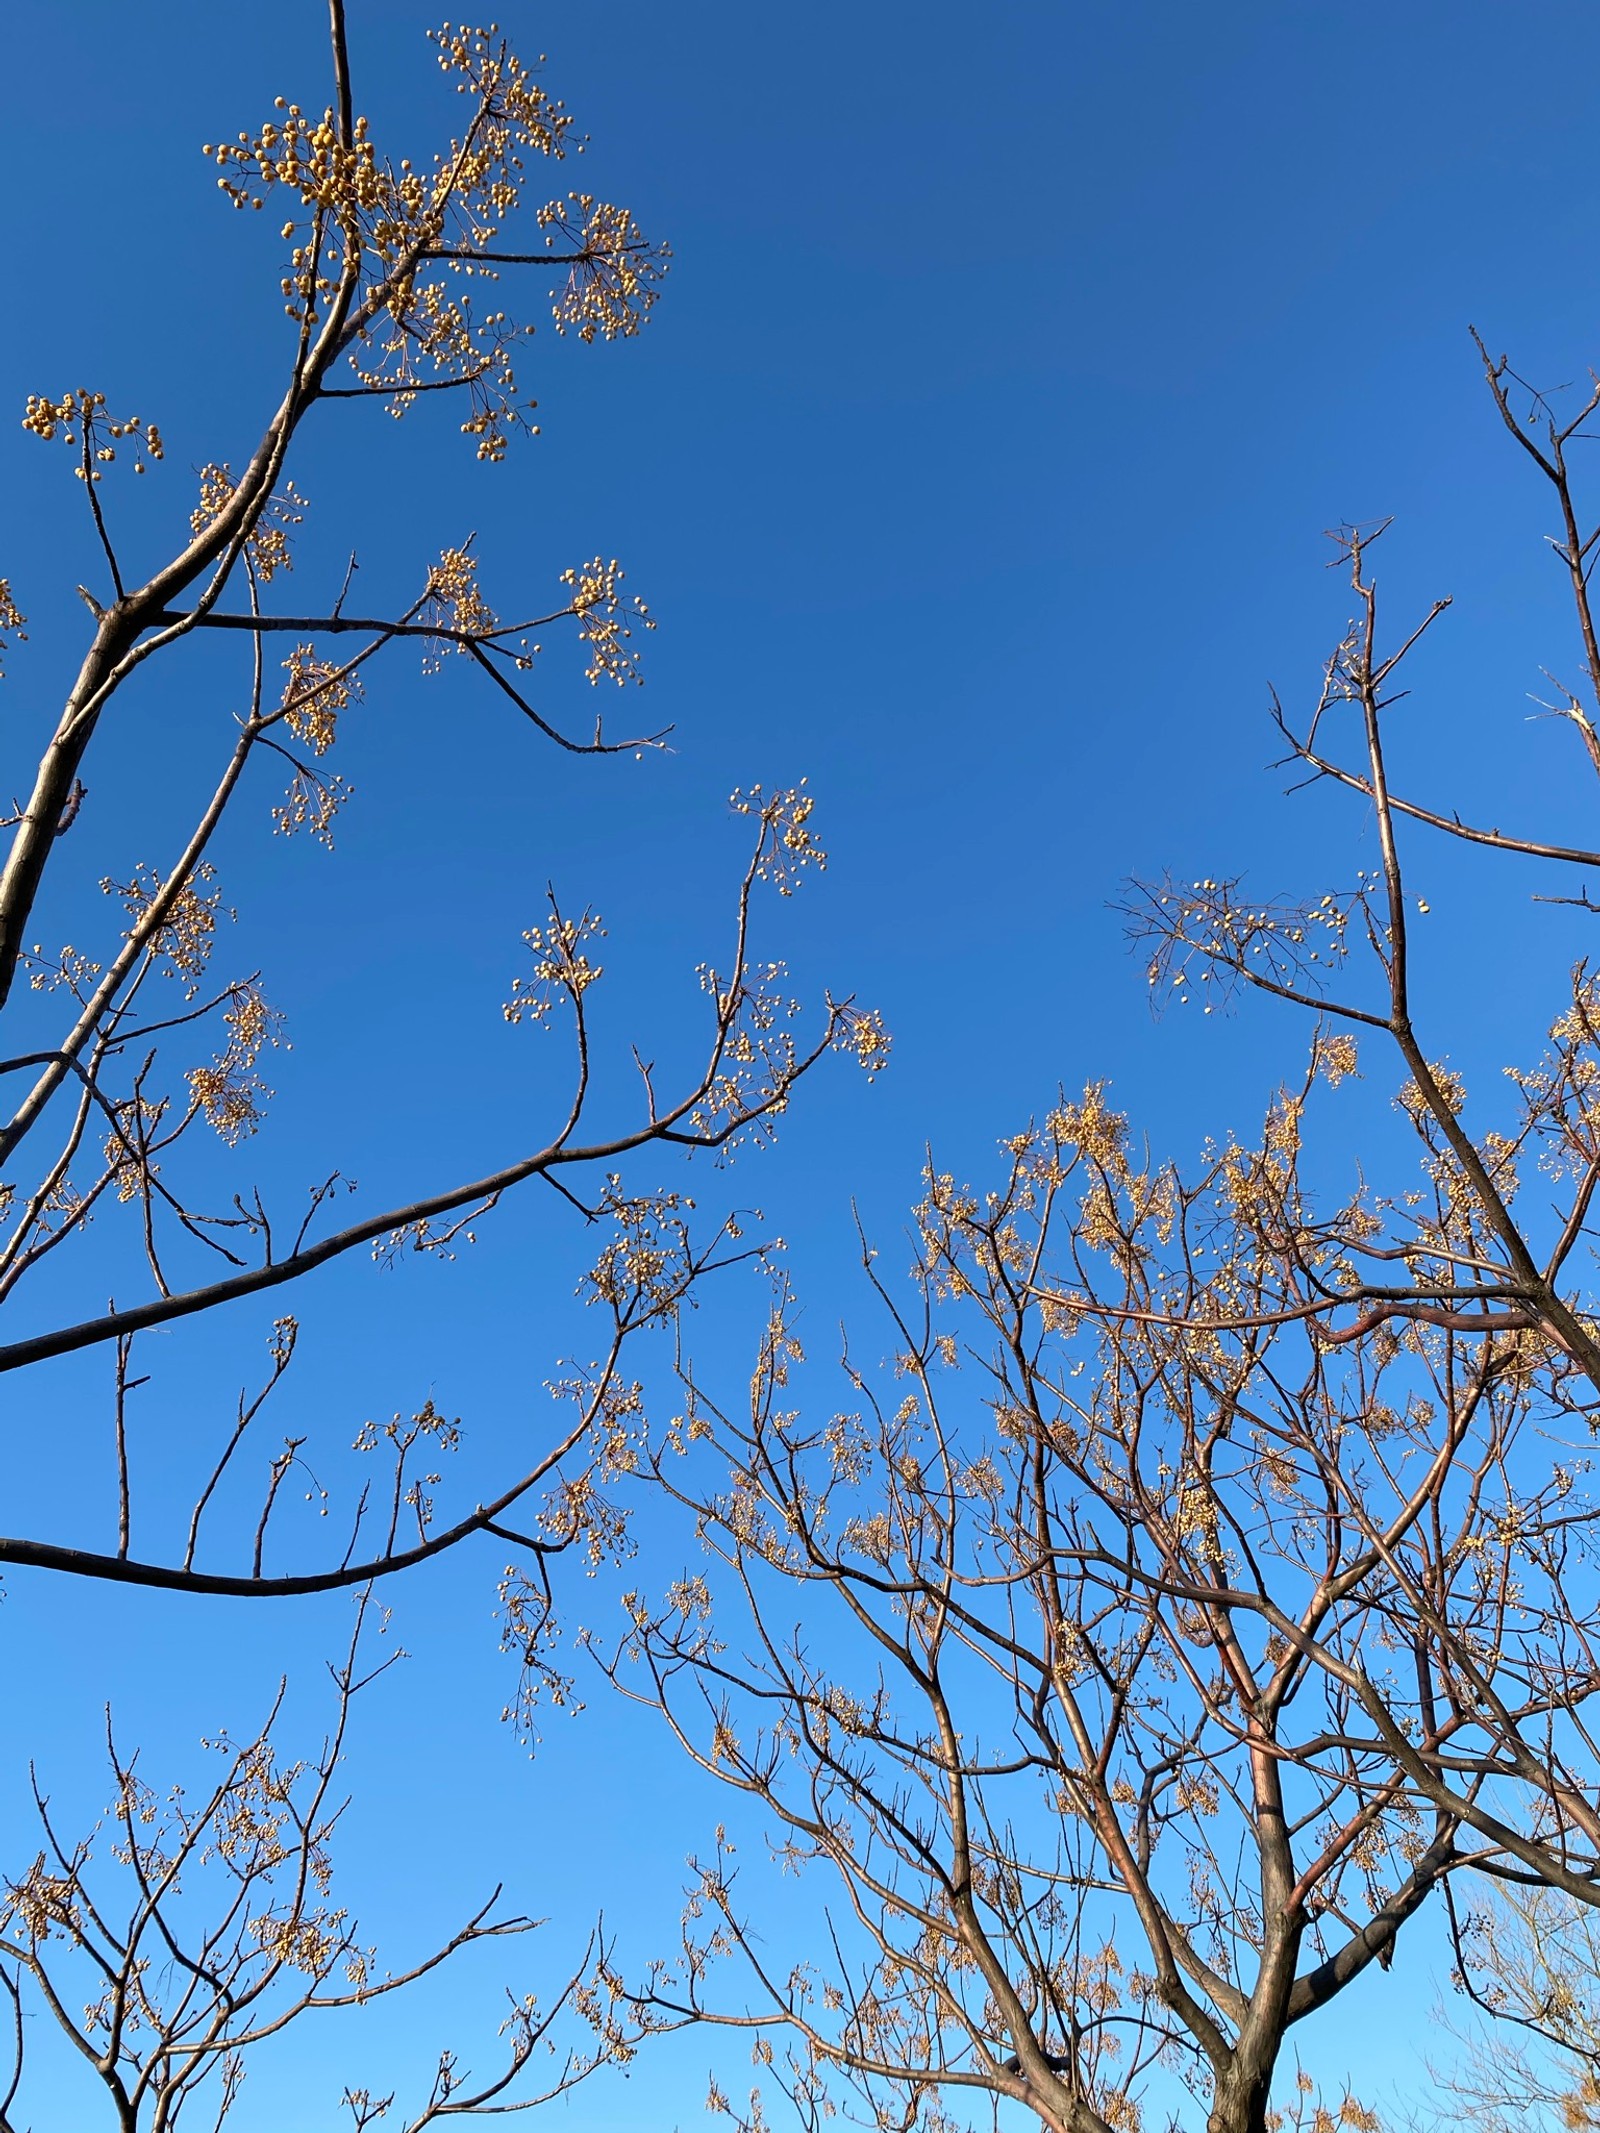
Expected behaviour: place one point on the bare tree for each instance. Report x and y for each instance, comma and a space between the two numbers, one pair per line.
1140, 1698
171, 1945
130, 1104
191, 1931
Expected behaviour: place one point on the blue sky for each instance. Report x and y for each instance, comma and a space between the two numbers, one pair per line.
976, 464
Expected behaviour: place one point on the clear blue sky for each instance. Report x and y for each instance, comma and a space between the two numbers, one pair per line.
975, 463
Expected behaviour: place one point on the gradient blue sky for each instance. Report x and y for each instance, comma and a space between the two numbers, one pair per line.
976, 463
